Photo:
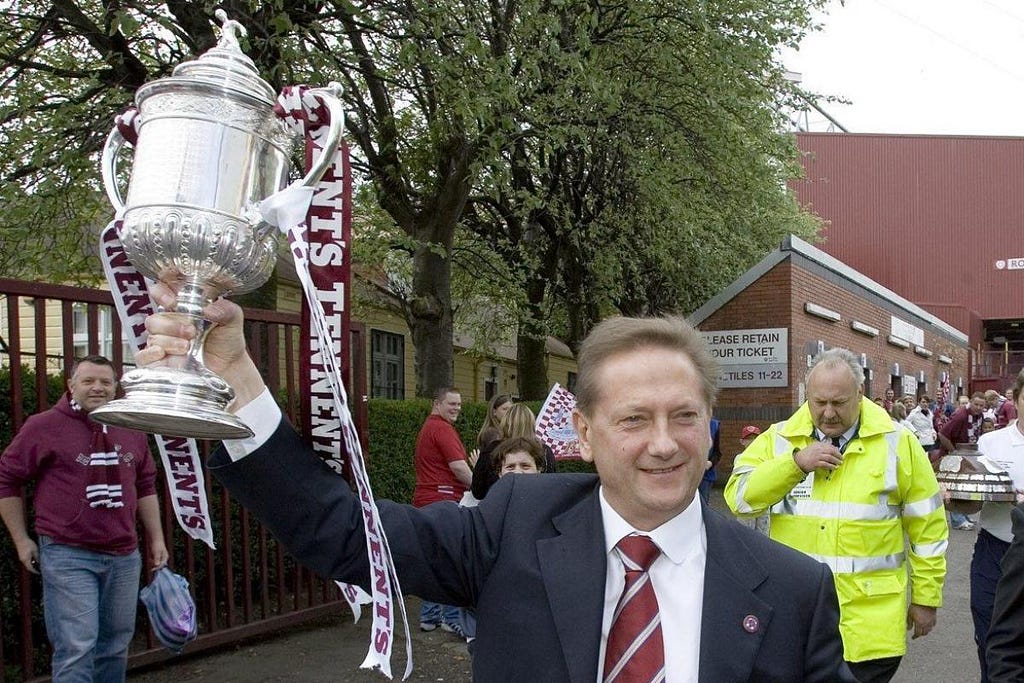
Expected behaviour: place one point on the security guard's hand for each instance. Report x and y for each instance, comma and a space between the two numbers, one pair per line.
819, 455
921, 619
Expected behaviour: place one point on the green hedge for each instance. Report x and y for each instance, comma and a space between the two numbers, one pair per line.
393, 429
30, 406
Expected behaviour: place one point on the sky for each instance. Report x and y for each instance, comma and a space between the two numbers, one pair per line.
948, 67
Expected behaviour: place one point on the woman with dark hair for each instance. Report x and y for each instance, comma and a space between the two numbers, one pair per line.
520, 454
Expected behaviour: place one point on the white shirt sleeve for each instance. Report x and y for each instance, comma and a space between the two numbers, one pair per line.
262, 415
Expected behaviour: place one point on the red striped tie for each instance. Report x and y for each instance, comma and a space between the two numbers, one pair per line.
635, 651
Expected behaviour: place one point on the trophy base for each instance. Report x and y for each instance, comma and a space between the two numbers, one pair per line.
173, 402
170, 420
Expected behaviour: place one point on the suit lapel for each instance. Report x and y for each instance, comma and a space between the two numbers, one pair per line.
735, 618
573, 566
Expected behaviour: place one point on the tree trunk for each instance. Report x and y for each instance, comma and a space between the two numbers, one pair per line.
531, 345
581, 296
429, 314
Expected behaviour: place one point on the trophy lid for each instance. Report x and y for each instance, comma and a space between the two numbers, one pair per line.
226, 67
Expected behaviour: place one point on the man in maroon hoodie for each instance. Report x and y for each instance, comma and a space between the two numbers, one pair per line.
91, 482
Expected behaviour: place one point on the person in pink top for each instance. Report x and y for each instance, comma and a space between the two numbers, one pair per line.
442, 474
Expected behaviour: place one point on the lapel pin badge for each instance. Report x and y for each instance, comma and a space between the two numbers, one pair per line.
751, 624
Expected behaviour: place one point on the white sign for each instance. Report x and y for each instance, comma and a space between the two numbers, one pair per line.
1010, 264
751, 358
904, 330
909, 385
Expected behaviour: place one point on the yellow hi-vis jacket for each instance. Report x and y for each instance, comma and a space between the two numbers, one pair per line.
854, 519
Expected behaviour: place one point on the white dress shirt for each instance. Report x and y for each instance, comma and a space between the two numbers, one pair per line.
844, 439
1005, 447
678, 580
262, 415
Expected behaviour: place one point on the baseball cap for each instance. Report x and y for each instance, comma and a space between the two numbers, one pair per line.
749, 431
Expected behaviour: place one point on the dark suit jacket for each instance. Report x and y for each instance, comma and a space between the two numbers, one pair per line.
531, 558
1005, 655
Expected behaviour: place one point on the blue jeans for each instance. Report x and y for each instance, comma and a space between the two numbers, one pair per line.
89, 602
957, 518
467, 617
436, 613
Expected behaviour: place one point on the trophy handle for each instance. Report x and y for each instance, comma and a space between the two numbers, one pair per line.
108, 167
329, 96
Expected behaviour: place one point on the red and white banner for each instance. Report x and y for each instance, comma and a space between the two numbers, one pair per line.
316, 222
554, 424
180, 457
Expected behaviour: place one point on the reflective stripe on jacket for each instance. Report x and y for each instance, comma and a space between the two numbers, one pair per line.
854, 520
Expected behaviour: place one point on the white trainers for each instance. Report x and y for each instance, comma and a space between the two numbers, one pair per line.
453, 628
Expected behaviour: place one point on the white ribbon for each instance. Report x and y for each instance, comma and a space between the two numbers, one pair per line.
180, 457
288, 209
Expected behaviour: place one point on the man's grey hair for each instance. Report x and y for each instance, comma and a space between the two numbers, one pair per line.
838, 358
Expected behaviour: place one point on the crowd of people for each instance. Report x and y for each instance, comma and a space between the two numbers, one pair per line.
847, 550
506, 444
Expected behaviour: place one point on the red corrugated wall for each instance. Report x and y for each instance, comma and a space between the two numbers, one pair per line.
927, 216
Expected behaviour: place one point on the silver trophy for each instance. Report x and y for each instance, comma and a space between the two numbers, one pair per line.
209, 150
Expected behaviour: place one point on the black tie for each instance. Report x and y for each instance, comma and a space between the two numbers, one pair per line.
836, 442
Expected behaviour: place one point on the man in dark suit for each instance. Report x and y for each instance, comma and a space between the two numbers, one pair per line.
1006, 634
542, 558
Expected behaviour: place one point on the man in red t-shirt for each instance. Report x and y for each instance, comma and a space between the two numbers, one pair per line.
442, 473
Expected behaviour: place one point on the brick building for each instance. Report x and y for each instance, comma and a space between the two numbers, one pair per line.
933, 217
767, 325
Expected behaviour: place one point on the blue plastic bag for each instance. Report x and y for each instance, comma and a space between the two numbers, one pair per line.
172, 612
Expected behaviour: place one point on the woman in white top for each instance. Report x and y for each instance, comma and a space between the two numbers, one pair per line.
923, 420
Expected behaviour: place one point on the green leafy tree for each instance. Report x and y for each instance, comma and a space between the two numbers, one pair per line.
649, 163
614, 155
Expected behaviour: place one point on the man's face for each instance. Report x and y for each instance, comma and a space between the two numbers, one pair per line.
648, 434
889, 394
1008, 394
92, 385
923, 404
833, 397
976, 406
449, 406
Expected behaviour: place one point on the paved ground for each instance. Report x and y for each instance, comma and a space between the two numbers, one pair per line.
332, 651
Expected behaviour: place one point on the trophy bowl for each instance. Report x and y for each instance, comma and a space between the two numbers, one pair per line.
209, 150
